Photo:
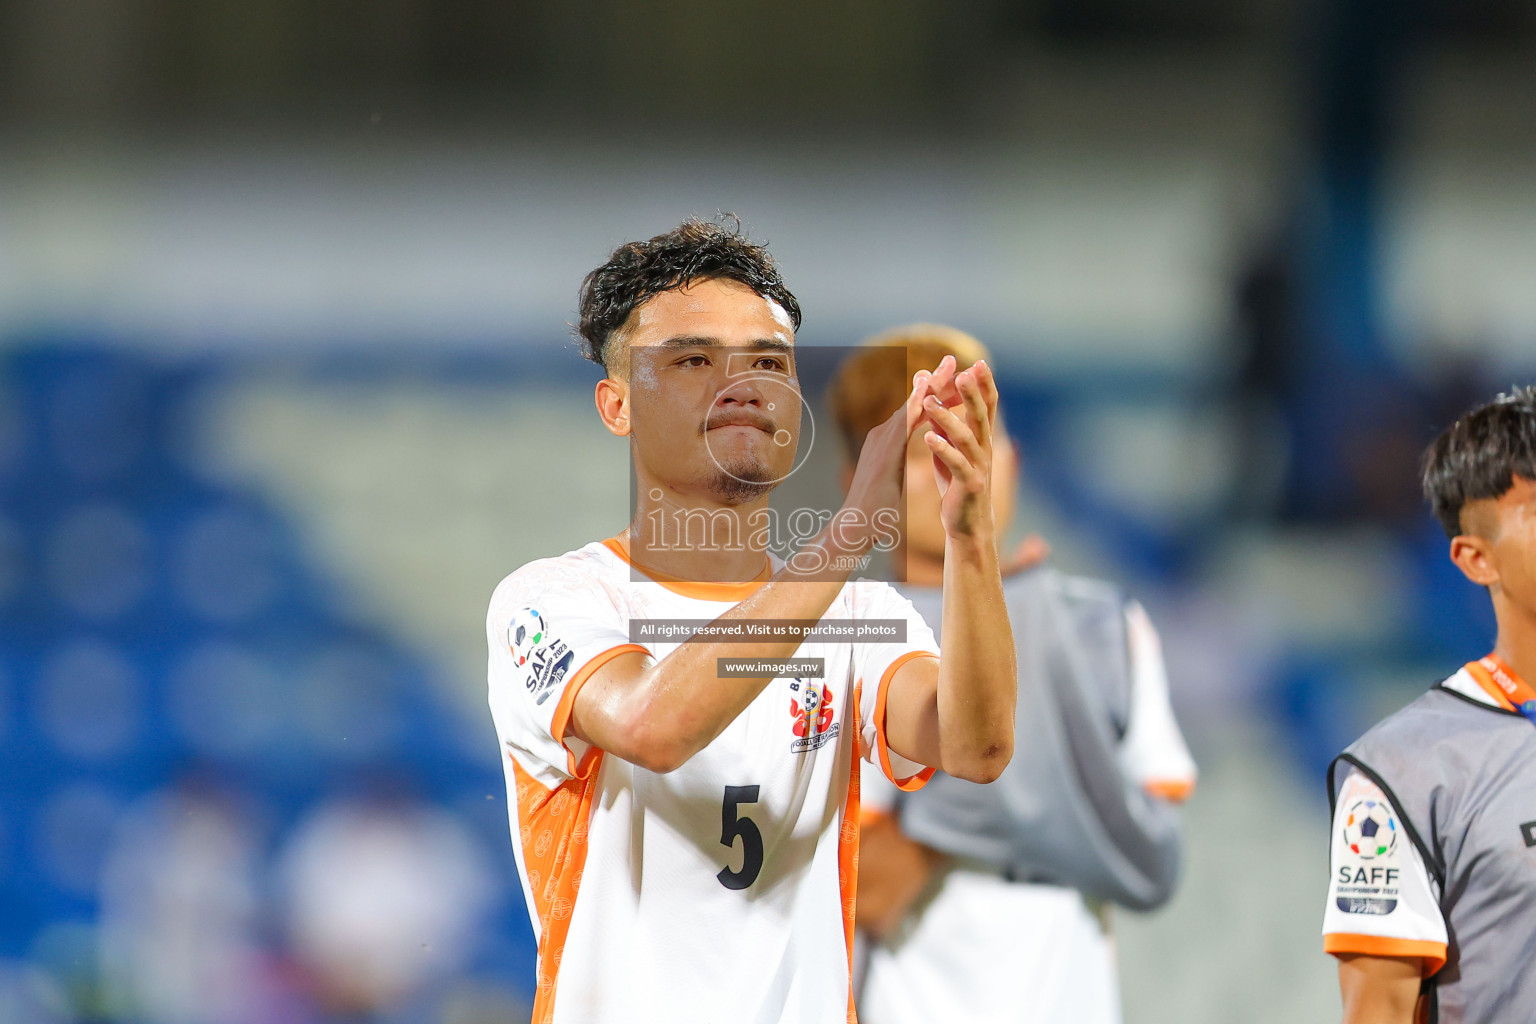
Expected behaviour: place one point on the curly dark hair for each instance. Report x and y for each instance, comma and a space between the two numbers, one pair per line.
695, 250
1478, 456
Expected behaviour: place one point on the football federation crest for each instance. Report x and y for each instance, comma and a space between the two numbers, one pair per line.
811, 711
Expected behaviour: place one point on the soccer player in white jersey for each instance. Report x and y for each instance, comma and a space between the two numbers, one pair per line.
687, 840
1431, 906
993, 903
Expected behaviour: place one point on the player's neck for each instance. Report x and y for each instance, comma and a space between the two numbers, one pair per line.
1516, 645
707, 542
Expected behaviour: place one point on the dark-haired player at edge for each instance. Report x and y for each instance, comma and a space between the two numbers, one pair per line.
687, 841
1432, 896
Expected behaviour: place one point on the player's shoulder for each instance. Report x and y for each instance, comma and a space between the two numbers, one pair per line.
1428, 712
1045, 597
1069, 587
591, 568
1442, 733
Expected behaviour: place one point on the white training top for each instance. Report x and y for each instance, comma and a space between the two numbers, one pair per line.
981, 948
1382, 900
719, 891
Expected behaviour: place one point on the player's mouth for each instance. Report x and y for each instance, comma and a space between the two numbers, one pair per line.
741, 419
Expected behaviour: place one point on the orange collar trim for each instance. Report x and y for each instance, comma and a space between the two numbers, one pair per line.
1482, 677
1501, 682
698, 591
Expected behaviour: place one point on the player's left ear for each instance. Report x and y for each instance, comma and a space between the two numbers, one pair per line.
612, 398
1473, 555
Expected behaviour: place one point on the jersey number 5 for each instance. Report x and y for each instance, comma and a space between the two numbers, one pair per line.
732, 825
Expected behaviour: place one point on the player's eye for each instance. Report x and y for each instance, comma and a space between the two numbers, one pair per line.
773, 363
693, 360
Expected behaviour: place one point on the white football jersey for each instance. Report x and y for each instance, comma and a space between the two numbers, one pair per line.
722, 891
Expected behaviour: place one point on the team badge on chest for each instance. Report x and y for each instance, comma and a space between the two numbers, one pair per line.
811, 711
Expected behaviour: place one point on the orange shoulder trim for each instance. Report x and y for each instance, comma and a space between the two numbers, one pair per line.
698, 591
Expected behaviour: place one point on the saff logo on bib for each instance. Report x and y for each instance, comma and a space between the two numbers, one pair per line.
811, 711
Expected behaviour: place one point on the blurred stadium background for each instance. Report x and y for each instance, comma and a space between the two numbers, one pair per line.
286, 387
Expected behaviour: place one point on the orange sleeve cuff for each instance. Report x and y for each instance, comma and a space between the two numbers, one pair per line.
1173, 790
1432, 953
562, 716
915, 782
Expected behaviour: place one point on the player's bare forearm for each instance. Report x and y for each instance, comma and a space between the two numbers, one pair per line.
1379, 989
959, 717
978, 680
658, 714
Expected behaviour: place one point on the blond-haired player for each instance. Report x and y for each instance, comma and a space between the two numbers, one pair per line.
990, 903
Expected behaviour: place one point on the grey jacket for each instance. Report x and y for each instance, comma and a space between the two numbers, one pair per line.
1063, 812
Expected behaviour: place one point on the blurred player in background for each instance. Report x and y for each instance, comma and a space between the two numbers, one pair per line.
687, 840
990, 903
1432, 897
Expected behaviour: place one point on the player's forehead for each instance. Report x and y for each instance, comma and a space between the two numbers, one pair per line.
1522, 492
1488, 516
720, 310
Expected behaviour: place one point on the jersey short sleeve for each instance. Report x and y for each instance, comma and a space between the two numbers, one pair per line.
875, 664
1381, 900
548, 630
1153, 752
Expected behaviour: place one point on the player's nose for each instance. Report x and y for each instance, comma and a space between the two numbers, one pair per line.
742, 392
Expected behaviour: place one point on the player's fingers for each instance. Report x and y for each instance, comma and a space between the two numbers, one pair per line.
914, 404
972, 393
942, 381
960, 468
955, 430
988, 387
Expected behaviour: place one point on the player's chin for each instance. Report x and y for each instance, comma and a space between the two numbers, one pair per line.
742, 481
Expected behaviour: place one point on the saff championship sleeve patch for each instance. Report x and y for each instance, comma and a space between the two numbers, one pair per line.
1381, 899
539, 659
1368, 866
